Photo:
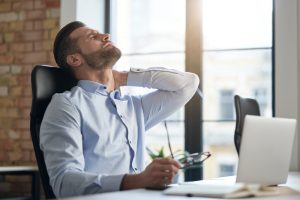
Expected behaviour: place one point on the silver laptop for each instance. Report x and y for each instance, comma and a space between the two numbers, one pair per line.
264, 159
266, 150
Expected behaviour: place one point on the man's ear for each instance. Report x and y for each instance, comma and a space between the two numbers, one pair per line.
74, 60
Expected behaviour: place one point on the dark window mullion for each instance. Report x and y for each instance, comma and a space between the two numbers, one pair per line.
193, 63
107, 21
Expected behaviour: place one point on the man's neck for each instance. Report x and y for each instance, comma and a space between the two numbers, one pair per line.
103, 76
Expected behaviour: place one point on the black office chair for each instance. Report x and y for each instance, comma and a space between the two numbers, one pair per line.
45, 81
243, 107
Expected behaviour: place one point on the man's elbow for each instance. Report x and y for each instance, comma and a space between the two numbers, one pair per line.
193, 81
63, 187
68, 188
190, 87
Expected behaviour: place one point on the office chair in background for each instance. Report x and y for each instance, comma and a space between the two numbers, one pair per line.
45, 81
243, 107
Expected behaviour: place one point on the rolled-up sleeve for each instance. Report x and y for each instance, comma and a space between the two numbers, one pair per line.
61, 142
174, 89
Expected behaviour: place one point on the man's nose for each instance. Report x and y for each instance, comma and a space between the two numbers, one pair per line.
106, 37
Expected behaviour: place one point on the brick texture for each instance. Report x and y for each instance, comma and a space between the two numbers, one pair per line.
27, 30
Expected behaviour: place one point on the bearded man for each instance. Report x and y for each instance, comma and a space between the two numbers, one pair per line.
92, 136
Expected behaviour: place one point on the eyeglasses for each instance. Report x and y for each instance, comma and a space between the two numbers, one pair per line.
187, 160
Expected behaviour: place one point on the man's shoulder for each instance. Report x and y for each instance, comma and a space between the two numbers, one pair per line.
71, 94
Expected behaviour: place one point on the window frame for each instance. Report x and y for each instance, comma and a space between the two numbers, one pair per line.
194, 63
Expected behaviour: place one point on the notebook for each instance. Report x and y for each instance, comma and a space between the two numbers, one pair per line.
266, 150
264, 160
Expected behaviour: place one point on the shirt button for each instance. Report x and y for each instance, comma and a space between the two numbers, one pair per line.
135, 169
129, 141
121, 116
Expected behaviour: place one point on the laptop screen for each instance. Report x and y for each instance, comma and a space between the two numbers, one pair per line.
266, 149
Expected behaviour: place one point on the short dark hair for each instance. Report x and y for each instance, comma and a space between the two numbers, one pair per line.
64, 45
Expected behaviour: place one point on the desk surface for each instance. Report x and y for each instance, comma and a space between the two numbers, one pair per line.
293, 182
9, 169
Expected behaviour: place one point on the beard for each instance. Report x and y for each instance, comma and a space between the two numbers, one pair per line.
102, 58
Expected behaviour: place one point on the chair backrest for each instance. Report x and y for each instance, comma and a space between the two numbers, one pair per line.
45, 81
243, 107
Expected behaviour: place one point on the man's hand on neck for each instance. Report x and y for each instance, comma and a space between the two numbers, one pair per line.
111, 78
120, 78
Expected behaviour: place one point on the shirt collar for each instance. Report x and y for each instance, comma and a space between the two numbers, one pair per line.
93, 87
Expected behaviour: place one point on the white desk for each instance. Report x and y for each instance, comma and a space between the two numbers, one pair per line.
293, 182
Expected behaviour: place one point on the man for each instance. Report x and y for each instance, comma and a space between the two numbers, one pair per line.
92, 136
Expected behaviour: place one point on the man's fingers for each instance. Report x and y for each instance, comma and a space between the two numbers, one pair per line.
162, 170
167, 161
162, 174
163, 180
165, 168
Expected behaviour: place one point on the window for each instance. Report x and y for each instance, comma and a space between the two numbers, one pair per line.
236, 56
237, 59
261, 95
226, 104
148, 36
226, 170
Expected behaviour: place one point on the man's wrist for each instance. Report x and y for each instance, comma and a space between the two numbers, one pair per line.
120, 78
123, 78
132, 181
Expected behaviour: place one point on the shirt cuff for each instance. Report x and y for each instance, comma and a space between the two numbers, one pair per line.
110, 183
143, 77
136, 77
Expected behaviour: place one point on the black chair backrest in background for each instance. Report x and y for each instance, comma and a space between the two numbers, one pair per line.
243, 107
45, 81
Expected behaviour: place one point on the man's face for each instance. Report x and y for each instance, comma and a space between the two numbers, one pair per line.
96, 48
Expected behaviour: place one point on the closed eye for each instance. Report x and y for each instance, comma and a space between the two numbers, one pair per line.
93, 37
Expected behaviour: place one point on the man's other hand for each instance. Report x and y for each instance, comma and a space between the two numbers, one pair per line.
120, 78
157, 174
160, 172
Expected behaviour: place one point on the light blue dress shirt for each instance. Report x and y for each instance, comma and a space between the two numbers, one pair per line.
91, 138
